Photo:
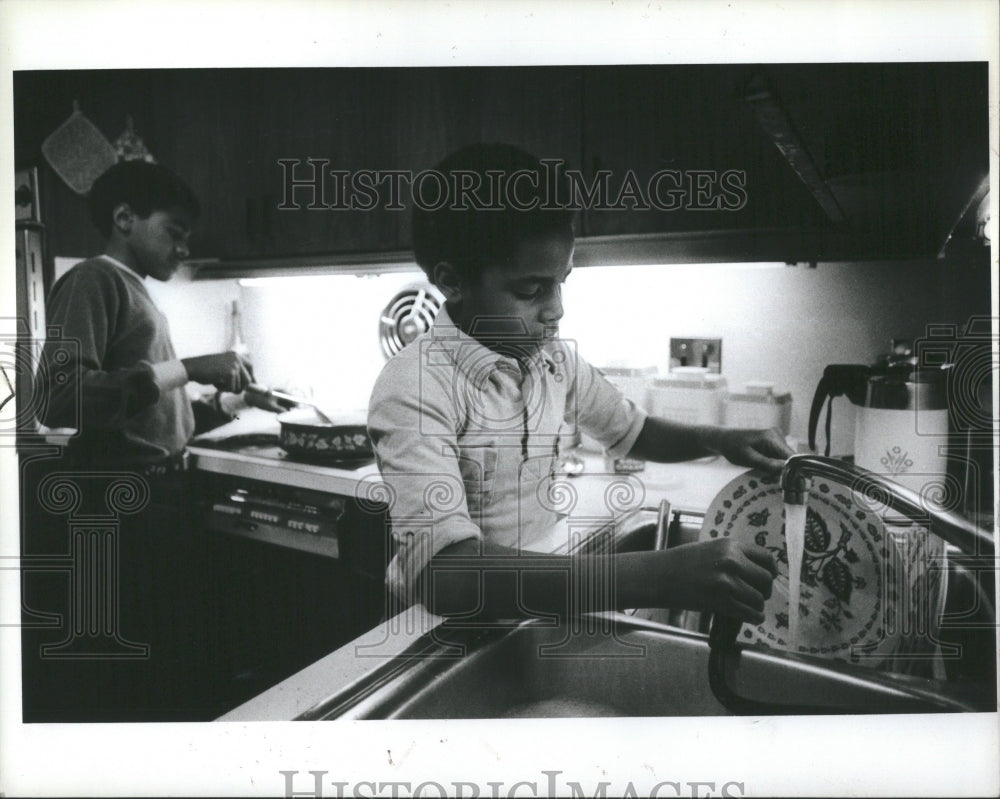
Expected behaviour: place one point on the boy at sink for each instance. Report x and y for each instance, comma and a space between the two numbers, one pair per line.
466, 420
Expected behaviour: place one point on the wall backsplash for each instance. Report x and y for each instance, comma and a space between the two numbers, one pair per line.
198, 310
319, 335
779, 324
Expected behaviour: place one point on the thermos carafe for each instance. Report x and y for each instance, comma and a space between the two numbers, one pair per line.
901, 422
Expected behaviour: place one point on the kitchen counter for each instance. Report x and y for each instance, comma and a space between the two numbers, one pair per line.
272, 465
341, 668
689, 486
282, 470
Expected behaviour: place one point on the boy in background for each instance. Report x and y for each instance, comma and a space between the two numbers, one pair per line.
466, 423
135, 411
123, 387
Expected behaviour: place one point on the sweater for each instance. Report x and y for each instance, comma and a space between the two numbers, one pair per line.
109, 369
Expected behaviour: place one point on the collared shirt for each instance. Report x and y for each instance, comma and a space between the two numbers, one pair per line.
467, 441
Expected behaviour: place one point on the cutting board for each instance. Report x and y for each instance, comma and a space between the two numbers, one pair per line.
251, 421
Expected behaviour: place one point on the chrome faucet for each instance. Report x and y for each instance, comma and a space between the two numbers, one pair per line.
953, 528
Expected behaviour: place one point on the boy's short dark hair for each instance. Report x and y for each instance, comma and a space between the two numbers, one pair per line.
471, 237
145, 187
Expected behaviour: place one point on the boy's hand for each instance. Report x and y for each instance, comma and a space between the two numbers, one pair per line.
762, 449
723, 576
227, 371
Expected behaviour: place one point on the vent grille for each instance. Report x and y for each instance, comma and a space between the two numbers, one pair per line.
409, 314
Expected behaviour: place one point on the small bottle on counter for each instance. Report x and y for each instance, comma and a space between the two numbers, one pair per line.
236, 342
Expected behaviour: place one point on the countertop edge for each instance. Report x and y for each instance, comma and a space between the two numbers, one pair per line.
292, 473
334, 672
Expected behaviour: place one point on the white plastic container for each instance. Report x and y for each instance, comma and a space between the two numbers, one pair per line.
758, 406
692, 395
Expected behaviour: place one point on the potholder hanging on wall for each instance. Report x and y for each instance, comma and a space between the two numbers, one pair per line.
78, 152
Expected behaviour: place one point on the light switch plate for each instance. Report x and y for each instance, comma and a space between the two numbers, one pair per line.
705, 352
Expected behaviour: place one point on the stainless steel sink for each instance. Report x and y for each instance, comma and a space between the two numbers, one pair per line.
640, 663
619, 667
540, 670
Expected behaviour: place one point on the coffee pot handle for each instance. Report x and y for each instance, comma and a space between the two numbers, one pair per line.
821, 395
850, 379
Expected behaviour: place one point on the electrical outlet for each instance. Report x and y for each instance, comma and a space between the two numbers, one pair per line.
706, 352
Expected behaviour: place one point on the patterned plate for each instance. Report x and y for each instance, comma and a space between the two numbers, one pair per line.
843, 601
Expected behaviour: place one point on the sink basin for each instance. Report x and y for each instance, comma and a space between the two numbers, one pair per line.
638, 663
620, 666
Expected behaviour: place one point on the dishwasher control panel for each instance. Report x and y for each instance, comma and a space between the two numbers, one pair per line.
294, 518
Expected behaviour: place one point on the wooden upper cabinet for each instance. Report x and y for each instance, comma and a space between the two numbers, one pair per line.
315, 132
297, 141
679, 150
794, 161
211, 142
537, 108
442, 109
259, 146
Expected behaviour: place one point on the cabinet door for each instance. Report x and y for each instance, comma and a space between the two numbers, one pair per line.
379, 120
685, 135
319, 122
443, 109
537, 108
209, 135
